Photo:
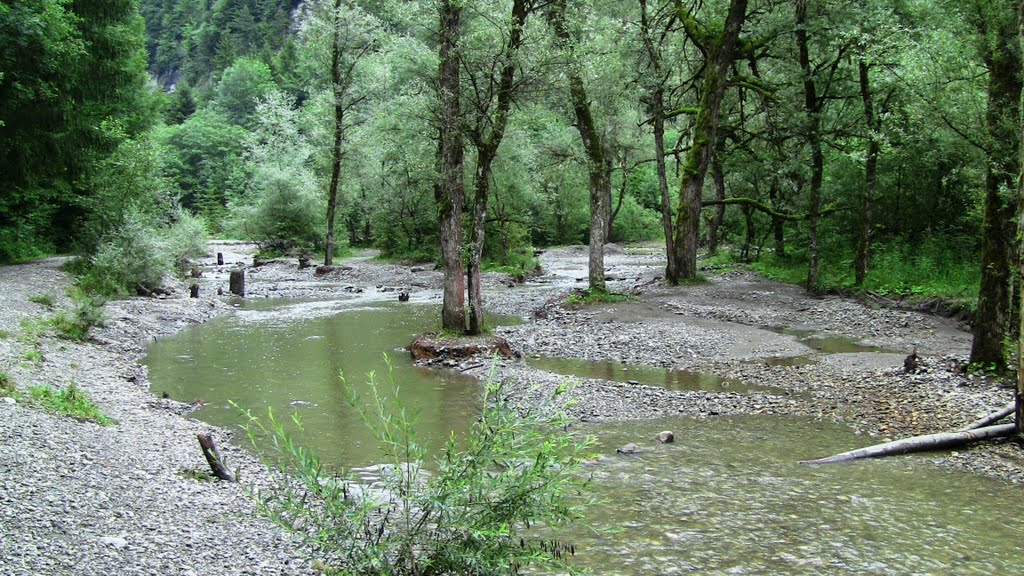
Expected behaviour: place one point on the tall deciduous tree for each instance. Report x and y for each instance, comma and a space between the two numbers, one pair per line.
491, 97
719, 49
1019, 413
598, 159
449, 192
997, 23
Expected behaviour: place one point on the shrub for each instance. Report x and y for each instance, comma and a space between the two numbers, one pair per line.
185, 240
130, 260
469, 516
76, 324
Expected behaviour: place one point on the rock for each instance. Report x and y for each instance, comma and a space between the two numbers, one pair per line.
415, 269
666, 437
8, 400
323, 270
403, 296
629, 449
115, 542
431, 347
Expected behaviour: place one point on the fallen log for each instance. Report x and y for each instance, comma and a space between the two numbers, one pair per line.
992, 418
923, 443
213, 457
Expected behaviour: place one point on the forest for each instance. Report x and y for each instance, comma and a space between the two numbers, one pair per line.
850, 146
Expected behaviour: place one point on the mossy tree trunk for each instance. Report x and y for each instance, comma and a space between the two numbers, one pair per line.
1019, 394
720, 52
598, 166
812, 133
718, 175
449, 192
1001, 53
657, 103
486, 142
873, 123
338, 91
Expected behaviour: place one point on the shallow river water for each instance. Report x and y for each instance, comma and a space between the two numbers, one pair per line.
728, 497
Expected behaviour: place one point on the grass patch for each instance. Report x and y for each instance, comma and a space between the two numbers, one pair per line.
197, 474
71, 402
42, 299
4, 334
588, 297
943, 268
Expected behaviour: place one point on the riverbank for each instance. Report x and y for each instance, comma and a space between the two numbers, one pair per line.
81, 498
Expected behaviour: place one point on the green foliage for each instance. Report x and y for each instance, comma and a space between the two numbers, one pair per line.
204, 161
7, 387
71, 402
590, 296
246, 82
185, 240
68, 68
285, 204
130, 260
45, 300
471, 515
933, 267
635, 223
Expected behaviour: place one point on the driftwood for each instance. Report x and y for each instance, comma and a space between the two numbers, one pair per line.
920, 444
213, 457
992, 418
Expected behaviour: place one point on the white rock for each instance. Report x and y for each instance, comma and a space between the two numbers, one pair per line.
8, 400
115, 542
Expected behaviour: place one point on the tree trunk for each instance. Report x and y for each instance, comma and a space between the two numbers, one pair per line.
721, 52
658, 113
716, 221
476, 246
778, 224
863, 257
622, 194
600, 184
339, 123
449, 193
487, 148
812, 106
1019, 393
992, 320
919, 444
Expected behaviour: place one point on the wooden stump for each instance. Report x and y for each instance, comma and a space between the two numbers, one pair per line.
193, 291
236, 283
220, 258
213, 457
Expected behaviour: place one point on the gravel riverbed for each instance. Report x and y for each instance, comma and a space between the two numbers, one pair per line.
79, 498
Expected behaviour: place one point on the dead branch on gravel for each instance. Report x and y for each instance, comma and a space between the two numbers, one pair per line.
213, 457
981, 429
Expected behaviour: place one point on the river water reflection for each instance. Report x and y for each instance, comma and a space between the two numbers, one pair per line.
728, 497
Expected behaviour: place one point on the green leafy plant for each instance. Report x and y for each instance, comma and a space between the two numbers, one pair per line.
76, 324
6, 384
42, 299
587, 297
476, 512
71, 402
